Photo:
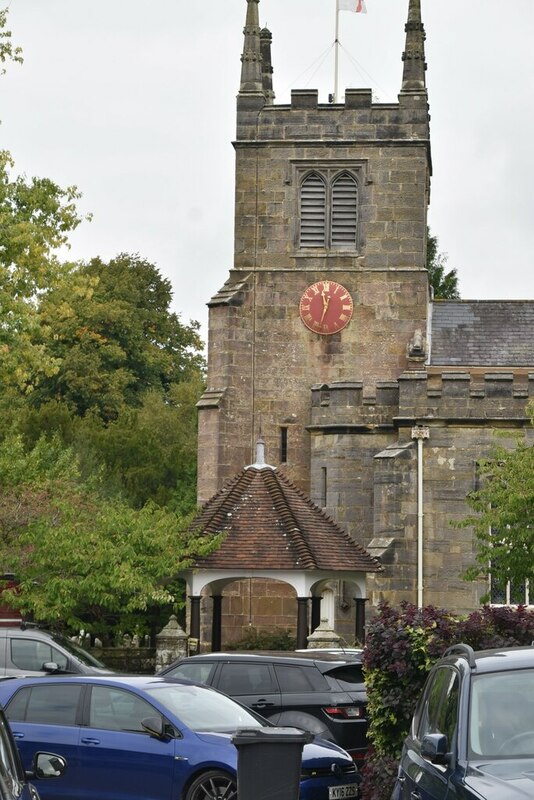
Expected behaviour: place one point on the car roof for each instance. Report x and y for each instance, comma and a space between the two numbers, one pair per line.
277, 657
494, 660
124, 681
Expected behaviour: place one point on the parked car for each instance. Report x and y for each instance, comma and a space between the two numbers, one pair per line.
28, 650
14, 783
322, 694
472, 734
150, 737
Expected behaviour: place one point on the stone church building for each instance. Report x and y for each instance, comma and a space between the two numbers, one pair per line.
373, 399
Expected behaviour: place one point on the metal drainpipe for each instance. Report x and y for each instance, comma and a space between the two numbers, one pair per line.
419, 433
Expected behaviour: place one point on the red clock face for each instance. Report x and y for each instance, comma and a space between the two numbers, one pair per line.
325, 307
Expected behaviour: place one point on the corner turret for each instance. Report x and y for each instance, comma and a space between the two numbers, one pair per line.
251, 87
267, 65
413, 77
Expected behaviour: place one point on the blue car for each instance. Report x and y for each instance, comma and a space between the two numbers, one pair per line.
150, 738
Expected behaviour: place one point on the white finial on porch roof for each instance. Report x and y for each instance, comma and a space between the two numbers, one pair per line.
260, 457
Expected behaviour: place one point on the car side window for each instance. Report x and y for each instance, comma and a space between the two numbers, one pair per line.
439, 711
51, 705
32, 654
196, 671
246, 678
348, 677
117, 710
299, 679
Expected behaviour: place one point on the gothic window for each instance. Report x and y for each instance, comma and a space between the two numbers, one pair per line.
328, 211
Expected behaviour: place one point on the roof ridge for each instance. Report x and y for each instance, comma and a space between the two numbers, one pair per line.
339, 529
289, 521
227, 494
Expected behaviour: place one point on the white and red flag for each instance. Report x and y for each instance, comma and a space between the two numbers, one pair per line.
358, 6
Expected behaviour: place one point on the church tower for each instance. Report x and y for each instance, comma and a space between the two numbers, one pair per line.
328, 288
375, 400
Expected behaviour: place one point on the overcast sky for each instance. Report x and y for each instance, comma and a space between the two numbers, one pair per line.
133, 101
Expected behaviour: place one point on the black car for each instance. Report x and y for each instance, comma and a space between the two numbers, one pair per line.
325, 695
472, 734
14, 782
28, 650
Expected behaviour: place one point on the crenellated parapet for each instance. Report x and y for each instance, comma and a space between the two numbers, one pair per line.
343, 405
357, 119
466, 395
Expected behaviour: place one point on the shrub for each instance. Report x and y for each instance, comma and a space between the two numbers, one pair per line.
401, 646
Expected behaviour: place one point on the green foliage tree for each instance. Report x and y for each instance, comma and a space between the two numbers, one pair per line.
503, 518
444, 284
36, 217
114, 338
150, 452
83, 559
7, 51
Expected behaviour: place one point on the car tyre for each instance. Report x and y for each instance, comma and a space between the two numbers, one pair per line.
213, 785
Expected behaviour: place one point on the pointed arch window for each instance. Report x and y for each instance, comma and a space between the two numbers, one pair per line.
328, 211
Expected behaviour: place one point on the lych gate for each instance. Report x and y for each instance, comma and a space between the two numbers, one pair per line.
272, 530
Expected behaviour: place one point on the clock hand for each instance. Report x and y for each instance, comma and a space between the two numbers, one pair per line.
326, 301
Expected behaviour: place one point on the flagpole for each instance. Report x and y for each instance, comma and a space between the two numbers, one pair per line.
336, 53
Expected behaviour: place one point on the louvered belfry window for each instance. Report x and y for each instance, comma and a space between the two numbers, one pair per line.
329, 211
344, 211
313, 211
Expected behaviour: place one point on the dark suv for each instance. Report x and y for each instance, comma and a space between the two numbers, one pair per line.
28, 650
472, 734
325, 695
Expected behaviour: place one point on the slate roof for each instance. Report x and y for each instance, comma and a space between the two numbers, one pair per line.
268, 523
486, 333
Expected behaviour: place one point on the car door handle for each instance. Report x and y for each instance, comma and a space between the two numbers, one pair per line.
17, 735
90, 740
415, 796
262, 704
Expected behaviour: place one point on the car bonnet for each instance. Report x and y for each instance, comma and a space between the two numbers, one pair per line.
512, 779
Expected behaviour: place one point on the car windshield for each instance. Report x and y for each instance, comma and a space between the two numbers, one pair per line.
203, 709
501, 722
81, 654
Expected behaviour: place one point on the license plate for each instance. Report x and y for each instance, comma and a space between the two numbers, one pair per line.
341, 792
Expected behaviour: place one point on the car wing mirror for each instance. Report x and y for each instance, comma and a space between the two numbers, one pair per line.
154, 726
50, 666
435, 748
47, 765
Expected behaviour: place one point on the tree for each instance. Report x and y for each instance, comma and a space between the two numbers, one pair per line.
83, 559
7, 51
36, 217
150, 452
114, 338
503, 518
444, 284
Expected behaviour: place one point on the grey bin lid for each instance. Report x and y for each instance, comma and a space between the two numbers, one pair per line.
274, 735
